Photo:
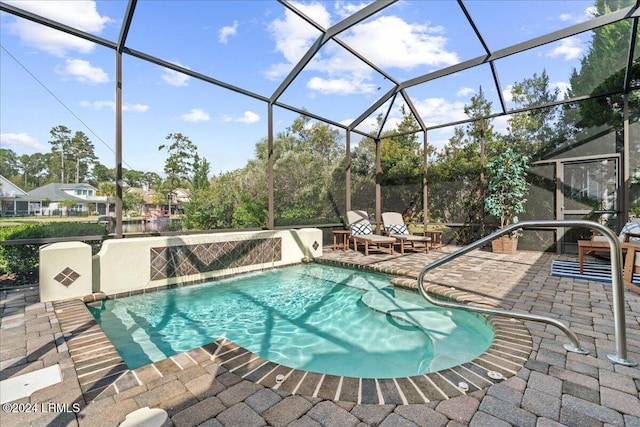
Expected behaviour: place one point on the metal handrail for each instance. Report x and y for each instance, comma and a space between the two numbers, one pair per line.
616, 275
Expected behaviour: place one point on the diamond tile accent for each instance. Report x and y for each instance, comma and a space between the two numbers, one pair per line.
315, 245
67, 276
184, 260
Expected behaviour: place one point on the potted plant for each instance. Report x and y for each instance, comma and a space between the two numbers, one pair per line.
507, 188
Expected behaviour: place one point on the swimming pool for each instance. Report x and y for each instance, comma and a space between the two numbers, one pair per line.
311, 317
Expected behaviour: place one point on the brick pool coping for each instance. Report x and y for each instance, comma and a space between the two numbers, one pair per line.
102, 372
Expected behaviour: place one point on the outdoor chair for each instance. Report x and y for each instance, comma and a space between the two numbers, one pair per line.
362, 232
631, 266
395, 227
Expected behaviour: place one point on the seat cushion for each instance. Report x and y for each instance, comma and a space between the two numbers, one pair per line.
630, 227
375, 238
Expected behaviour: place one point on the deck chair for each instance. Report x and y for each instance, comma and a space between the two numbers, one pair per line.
394, 226
631, 266
361, 232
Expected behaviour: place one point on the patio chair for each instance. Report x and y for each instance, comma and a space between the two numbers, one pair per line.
362, 232
631, 266
395, 227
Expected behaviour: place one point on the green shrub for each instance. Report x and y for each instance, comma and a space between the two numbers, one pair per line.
291, 222
23, 258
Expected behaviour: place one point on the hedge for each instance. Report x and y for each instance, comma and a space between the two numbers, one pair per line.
24, 258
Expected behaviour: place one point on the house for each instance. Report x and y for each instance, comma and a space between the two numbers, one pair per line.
178, 197
72, 198
16, 202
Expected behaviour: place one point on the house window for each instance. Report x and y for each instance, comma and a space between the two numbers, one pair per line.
82, 191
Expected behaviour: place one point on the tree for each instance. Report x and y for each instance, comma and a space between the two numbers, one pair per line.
456, 175
199, 212
9, 166
401, 160
60, 144
132, 178
533, 132
602, 70
108, 189
82, 151
179, 165
101, 173
401, 163
132, 201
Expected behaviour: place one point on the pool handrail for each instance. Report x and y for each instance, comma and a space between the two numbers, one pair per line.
616, 276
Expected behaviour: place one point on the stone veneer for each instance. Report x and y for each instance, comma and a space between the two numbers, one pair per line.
184, 260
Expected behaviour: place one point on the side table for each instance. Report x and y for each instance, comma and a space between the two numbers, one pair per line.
341, 238
436, 238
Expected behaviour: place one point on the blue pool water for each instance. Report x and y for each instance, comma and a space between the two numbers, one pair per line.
311, 317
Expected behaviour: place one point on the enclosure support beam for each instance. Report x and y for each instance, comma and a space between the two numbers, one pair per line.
270, 165
626, 167
425, 181
118, 146
378, 184
347, 179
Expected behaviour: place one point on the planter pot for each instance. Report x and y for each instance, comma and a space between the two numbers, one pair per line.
505, 245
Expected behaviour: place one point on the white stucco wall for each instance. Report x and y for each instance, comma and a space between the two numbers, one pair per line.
123, 265
65, 271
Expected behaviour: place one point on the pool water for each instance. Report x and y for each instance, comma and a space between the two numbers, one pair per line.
311, 317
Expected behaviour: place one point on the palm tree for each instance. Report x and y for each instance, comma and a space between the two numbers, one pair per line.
108, 189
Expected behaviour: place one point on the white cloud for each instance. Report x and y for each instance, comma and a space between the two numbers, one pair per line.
20, 141
387, 41
569, 48
247, 117
175, 78
342, 86
435, 111
83, 71
226, 32
292, 35
588, 13
315, 10
79, 14
506, 94
196, 115
563, 86
98, 105
138, 108
392, 42
465, 92
345, 9
501, 124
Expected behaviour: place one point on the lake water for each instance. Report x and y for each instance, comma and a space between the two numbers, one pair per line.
142, 227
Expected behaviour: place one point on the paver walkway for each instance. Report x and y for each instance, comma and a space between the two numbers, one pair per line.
552, 388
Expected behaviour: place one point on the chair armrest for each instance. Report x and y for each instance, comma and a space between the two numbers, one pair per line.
628, 236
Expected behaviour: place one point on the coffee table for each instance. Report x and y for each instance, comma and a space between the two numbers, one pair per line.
590, 247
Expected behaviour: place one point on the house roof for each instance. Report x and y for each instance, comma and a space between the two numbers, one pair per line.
10, 191
57, 191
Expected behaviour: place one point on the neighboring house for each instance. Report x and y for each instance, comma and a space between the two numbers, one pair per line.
179, 197
16, 202
54, 197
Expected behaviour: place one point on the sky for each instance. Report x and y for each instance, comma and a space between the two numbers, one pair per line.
49, 78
